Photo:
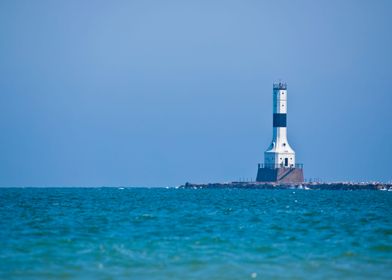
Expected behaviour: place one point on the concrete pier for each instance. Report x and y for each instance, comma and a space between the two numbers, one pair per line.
280, 175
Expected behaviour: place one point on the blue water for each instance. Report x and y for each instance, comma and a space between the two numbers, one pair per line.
112, 233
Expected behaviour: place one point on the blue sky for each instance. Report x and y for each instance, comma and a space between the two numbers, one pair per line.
157, 93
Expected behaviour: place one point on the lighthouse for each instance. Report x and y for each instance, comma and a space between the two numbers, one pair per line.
279, 159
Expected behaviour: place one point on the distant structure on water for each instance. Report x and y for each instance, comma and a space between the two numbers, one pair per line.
279, 159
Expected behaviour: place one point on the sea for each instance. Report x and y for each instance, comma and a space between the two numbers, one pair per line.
169, 233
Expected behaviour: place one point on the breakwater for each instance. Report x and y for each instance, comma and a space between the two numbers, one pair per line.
349, 186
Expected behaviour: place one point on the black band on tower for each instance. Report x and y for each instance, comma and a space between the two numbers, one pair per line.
280, 120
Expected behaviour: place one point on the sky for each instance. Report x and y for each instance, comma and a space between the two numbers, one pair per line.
159, 93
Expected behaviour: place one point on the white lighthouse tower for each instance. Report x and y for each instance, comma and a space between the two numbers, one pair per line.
279, 153
279, 158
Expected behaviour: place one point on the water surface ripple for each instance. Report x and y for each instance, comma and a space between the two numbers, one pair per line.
140, 233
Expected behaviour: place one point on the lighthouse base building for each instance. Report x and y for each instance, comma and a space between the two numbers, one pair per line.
279, 159
280, 174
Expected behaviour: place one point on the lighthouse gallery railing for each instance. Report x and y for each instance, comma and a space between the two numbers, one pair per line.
274, 166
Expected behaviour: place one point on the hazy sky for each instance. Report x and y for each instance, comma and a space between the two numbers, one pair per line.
157, 93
